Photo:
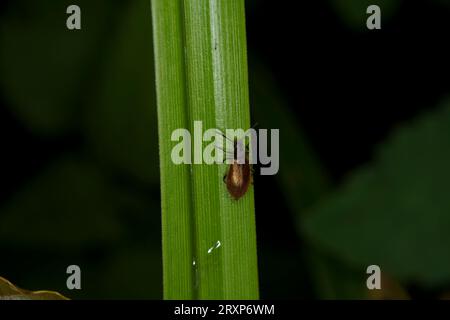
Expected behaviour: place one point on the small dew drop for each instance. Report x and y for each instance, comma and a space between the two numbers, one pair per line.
196, 276
214, 247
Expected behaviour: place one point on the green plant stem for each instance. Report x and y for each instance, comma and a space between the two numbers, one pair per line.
201, 74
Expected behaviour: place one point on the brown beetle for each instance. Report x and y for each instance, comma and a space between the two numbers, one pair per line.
239, 175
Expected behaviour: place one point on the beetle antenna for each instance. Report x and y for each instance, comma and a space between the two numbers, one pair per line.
255, 125
226, 151
221, 133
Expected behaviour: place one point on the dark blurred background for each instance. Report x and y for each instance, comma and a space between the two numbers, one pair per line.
364, 118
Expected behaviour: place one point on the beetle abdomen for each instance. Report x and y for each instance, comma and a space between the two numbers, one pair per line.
238, 179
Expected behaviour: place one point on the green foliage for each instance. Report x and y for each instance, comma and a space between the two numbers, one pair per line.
303, 178
95, 203
78, 214
394, 213
40, 61
304, 181
201, 74
125, 138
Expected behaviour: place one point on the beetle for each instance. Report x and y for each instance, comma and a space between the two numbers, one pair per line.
239, 176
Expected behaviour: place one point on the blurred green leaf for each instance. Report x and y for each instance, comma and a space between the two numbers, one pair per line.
354, 12
395, 212
121, 123
44, 67
133, 273
103, 263
302, 177
333, 279
68, 205
8, 291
